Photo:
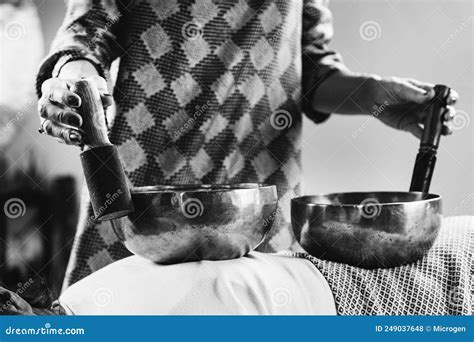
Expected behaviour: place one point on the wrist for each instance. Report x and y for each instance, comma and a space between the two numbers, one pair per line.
77, 69
368, 94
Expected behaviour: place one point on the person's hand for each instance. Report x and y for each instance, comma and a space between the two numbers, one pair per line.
398, 102
58, 104
12, 303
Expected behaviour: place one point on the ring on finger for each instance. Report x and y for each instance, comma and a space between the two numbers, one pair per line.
41, 130
60, 117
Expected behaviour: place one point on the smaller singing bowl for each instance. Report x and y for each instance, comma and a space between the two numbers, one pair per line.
367, 229
181, 223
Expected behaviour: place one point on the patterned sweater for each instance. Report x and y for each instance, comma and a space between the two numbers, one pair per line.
206, 92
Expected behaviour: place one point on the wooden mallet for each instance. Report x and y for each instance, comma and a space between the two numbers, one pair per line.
109, 192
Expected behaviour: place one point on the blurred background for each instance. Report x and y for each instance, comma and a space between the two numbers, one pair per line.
429, 40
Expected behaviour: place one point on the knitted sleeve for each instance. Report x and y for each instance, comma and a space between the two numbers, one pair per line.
90, 31
318, 61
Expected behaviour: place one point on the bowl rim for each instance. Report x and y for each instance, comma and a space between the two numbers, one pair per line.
303, 200
194, 188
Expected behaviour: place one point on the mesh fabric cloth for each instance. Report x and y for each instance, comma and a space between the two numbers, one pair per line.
441, 283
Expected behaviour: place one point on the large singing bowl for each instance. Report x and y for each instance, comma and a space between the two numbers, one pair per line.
182, 223
367, 229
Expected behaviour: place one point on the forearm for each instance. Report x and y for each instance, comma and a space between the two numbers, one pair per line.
344, 92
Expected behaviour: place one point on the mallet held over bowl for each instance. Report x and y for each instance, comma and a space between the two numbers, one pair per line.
170, 224
378, 229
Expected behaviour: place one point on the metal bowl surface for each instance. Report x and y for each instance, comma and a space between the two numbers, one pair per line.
182, 223
367, 229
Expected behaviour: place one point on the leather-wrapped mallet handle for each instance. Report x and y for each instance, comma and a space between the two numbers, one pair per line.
109, 193
426, 158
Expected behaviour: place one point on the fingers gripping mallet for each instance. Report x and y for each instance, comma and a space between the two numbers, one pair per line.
105, 177
426, 158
